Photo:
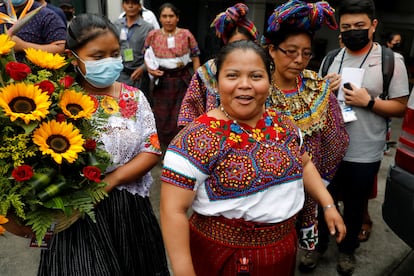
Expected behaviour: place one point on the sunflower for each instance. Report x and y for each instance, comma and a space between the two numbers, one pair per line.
60, 140
44, 59
24, 101
77, 105
5, 44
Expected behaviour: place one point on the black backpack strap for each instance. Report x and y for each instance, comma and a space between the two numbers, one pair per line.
329, 58
388, 61
387, 57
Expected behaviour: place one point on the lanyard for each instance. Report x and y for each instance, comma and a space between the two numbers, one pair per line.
363, 61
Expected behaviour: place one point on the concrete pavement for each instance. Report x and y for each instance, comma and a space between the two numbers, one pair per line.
383, 254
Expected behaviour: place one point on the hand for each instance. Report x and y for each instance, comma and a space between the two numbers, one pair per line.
356, 96
155, 73
137, 74
334, 81
20, 43
335, 223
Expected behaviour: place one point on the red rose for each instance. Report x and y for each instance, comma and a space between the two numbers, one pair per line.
22, 173
67, 81
90, 145
17, 71
60, 117
46, 86
92, 173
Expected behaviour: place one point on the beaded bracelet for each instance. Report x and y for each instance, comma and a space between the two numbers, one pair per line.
329, 206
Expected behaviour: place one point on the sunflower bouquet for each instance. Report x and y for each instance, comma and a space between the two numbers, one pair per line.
50, 164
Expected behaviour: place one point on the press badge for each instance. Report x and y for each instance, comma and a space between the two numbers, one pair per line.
128, 55
347, 113
171, 42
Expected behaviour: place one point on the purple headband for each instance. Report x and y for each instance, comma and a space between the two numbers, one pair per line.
233, 17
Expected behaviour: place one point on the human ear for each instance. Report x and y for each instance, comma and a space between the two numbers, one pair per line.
72, 58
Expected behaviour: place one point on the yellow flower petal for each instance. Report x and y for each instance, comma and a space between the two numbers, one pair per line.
109, 105
44, 59
3, 219
5, 44
61, 140
24, 101
77, 105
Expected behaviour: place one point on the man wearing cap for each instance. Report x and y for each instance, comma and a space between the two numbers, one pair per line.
55, 9
68, 10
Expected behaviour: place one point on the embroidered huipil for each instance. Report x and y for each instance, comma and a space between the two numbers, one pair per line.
201, 95
258, 179
127, 127
185, 47
315, 110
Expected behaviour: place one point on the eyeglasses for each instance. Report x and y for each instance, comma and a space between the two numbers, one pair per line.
293, 54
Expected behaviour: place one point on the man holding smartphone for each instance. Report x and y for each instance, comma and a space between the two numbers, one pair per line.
354, 179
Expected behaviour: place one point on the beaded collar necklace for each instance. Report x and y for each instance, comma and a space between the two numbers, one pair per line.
249, 134
293, 105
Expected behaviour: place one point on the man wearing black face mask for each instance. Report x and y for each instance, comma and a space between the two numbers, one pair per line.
68, 9
355, 176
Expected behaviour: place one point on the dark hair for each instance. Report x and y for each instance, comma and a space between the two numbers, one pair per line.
171, 6
86, 27
390, 36
134, 1
240, 30
285, 31
357, 6
243, 45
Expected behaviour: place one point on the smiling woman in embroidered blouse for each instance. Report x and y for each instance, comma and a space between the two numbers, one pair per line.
242, 169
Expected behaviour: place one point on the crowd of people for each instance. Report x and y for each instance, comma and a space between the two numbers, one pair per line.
256, 150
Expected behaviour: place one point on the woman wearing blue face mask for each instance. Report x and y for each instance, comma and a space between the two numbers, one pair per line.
126, 238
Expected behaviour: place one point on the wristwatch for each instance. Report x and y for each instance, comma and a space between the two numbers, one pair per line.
371, 103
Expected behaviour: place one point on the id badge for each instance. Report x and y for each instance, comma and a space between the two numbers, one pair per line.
124, 34
128, 55
347, 113
171, 42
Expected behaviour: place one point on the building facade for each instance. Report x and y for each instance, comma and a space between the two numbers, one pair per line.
198, 15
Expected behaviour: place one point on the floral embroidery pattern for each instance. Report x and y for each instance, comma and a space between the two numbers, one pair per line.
109, 105
154, 141
237, 165
128, 104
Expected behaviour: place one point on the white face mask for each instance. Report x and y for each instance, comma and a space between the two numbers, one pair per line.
102, 73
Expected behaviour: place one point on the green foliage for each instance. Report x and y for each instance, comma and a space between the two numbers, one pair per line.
36, 188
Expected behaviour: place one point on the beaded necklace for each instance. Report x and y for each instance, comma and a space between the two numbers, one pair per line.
249, 134
294, 106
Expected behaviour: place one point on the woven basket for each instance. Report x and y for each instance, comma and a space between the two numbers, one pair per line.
63, 222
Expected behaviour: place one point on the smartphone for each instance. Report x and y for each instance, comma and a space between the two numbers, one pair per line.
347, 85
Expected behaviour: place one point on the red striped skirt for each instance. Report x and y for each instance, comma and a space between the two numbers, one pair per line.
221, 246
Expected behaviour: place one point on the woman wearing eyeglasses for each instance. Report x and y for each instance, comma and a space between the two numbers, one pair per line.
306, 98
